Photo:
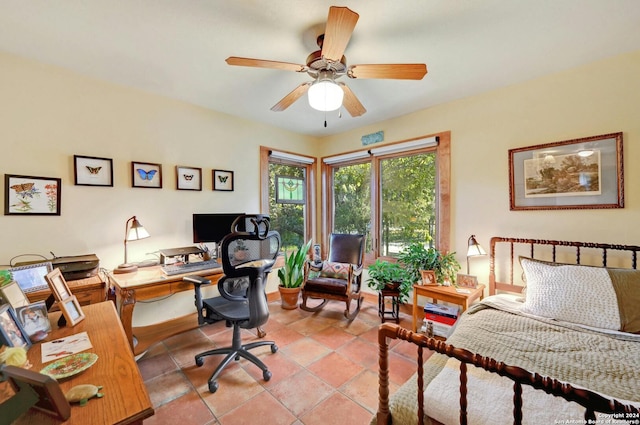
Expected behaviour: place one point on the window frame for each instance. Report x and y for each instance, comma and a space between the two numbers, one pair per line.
443, 189
310, 185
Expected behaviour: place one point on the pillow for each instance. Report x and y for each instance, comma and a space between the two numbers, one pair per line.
572, 293
625, 284
335, 270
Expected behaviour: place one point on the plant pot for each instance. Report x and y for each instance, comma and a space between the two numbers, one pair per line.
289, 297
393, 286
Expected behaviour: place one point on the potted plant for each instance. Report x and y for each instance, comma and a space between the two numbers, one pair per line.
387, 275
291, 276
416, 257
241, 251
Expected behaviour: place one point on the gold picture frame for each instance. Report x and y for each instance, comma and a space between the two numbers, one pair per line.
466, 281
428, 278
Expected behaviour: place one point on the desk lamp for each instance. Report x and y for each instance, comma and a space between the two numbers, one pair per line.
474, 249
132, 233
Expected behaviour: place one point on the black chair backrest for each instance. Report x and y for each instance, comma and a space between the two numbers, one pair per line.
346, 248
243, 252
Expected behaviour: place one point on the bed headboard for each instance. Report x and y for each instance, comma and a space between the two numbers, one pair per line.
505, 273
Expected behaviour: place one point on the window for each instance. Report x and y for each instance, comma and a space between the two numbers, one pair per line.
288, 194
396, 194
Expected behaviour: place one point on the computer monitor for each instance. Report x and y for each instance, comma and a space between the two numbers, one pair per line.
214, 227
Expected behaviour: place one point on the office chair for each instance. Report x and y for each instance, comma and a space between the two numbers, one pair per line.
247, 258
337, 278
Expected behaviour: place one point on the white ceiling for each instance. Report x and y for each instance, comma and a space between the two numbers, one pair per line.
177, 48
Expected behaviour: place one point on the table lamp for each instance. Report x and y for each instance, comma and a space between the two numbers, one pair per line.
474, 249
133, 231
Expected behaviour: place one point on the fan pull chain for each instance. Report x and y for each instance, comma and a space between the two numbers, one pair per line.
325, 119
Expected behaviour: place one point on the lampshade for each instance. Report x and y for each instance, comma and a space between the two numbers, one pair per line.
133, 232
324, 94
474, 249
136, 231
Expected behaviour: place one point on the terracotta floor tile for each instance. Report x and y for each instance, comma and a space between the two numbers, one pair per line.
305, 351
333, 337
361, 352
284, 336
301, 392
311, 325
337, 410
167, 387
155, 366
262, 409
359, 389
235, 388
401, 368
186, 410
335, 369
280, 366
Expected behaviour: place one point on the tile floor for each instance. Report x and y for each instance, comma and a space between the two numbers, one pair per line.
325, 372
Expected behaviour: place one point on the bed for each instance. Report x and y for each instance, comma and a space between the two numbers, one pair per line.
557, 341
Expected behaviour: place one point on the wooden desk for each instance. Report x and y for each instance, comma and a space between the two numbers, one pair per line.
90, 290
446, 294
149, 283
125, 400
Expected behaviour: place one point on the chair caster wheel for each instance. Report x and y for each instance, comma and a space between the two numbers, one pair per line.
199, 361
237, 358
213, 386
266, 375
274, 348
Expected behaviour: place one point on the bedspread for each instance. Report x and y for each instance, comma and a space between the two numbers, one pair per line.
608, 363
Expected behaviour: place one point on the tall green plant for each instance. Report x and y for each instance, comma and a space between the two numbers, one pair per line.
291, 275
416, 257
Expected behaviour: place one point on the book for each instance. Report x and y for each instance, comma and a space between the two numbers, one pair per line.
442, 310
439, 318
439, 329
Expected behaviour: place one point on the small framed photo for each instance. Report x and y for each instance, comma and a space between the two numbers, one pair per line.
58, 285
51, 400
12, 334
92, 171
222, 180
71, 310
188, 178
25, 195
428, 277
30, 277
12, 294
34, 320
466, 281
146, 174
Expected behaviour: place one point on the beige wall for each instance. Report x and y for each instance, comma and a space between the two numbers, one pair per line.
600, 98
48, 115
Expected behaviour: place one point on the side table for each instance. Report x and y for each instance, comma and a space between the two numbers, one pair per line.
444, 293
394, 313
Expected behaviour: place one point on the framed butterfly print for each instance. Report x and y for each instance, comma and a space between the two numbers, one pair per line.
146, 174
222, 180
92, 171
188, 178
26, 195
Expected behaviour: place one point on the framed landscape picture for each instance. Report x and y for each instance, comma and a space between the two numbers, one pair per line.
572, 174
26, 195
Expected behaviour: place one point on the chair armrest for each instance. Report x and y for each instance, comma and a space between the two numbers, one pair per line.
197, 280
357, 270
316, 267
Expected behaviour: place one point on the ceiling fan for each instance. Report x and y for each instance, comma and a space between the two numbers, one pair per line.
328, 64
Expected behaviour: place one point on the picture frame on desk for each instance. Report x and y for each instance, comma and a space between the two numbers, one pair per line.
12, 334
12, 293
71, 310
34, 318
58, 285
428, 278
92, 171
51, 400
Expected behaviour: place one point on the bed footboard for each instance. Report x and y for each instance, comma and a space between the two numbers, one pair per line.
592, 402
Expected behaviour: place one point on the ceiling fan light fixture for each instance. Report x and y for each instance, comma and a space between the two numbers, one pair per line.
324, 94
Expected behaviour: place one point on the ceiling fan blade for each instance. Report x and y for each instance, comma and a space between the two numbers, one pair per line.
261, 63
337, 32
288, 100
351, 102
398, 71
